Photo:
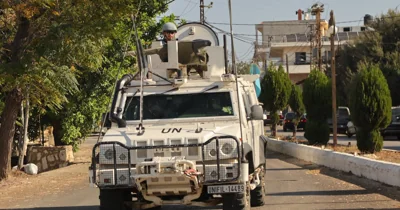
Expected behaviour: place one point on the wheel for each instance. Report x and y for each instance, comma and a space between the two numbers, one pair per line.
398, 137
257, 195
113, 199
237, 201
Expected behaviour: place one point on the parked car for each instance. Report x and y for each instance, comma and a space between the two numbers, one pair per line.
302, 122
288, 121
394, 127
268, 121
343, 117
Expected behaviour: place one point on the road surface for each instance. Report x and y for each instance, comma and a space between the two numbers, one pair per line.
291, 184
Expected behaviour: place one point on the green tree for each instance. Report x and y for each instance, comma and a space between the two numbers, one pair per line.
296, 103
243, 67
317, 101
275, 92
370, 106
381, 46
46, 45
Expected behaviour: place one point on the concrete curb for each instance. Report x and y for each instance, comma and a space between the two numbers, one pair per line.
381, 171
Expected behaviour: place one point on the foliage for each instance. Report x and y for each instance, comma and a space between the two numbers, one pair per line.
51, 48
243, 67
381, 46
370, 106
317, 100
275, 92
296, 102
317, 133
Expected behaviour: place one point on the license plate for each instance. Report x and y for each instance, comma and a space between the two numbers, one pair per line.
225, 189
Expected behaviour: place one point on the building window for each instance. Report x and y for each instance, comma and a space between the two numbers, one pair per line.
346, 29
362, 28
301, 58
327, 56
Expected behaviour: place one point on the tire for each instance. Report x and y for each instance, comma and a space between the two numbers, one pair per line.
113, 199
258, 194
398, 137
237, 201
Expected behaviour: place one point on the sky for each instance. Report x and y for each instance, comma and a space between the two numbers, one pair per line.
255, 11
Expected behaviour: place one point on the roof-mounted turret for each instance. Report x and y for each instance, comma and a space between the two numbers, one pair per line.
195, 54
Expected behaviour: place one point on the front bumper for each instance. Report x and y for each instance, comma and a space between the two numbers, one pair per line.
157, 175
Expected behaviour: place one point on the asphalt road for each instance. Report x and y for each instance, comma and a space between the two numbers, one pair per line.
389, 143
291, 184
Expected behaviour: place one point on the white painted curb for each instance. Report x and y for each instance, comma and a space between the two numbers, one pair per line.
381, 171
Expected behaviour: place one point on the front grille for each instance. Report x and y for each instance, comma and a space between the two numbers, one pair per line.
117, 160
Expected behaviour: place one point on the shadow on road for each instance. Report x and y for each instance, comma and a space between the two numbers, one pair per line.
177, 207
61, 208
330, 192
368, 185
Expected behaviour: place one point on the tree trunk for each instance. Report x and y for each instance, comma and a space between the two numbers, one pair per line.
273, 128
24, 143
7, 129
295, 131
57, 133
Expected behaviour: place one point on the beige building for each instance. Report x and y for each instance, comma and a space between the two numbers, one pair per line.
290, 43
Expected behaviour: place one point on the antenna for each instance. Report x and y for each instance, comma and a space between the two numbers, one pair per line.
235, 71
142, 64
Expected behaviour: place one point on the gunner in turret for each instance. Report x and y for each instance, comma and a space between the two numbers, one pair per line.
169, 31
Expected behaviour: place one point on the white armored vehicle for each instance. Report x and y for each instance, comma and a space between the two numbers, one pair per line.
192, 135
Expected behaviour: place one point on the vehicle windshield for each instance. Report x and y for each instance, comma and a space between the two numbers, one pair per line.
343, 112
161, 106
290, 115
395, 113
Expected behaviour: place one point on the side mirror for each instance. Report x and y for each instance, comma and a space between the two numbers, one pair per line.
257, 112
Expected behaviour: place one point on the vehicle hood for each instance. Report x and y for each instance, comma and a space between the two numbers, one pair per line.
130, 135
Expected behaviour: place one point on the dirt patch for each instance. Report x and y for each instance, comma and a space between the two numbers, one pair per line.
384, 155
21, 187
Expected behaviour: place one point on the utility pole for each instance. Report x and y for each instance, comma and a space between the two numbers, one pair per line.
316, 10
332, 28
202, 18
311, 47
202, 11
267, 53
287, 64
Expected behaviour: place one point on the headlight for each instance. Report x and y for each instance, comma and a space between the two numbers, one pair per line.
227, 149
108, 154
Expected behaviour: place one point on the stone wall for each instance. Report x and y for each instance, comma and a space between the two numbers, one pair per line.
49, 158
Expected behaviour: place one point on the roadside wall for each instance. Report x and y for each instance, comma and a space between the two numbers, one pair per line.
49, 158
381, 171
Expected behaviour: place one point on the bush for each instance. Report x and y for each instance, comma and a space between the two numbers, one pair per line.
370, 106
275, 92
317, 100
317, 133
370, 141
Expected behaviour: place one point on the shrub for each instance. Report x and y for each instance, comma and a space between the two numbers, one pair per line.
275, 92
370, 106
317, 100
296, 103
317, 133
